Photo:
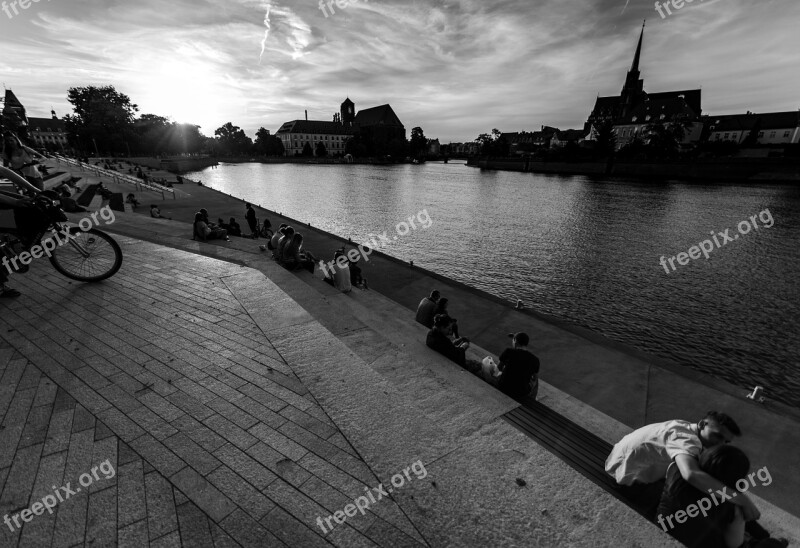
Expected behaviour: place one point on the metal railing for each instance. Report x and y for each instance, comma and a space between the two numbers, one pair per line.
117, 176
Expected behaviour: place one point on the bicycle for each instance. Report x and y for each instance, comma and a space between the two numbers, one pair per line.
85, 256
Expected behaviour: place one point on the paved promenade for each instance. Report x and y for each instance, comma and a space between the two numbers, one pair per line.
230, 416
238, 402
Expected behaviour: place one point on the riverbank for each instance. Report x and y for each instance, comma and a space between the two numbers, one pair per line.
753, 170
628, 385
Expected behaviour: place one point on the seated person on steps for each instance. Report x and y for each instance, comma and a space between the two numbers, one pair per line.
439, 339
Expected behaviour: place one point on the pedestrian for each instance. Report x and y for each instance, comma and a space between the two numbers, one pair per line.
252, 222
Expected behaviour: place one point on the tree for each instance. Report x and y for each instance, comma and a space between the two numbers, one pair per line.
307, 150
232, 140
101, 114
419, 144
494, 144
321, 151
268, 145
606, 139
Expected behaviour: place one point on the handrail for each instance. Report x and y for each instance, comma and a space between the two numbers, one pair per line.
117, 176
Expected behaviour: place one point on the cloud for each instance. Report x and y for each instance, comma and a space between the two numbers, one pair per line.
455, 67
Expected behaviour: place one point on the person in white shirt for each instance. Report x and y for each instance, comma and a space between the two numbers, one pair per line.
639, 461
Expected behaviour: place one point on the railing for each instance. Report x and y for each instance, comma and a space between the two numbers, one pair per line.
116, 176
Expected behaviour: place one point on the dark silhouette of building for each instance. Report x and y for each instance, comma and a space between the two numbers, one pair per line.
634, 109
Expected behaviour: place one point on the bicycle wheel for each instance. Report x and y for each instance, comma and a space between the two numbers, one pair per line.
89, 256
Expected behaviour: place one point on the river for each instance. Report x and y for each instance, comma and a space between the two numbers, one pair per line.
584, 249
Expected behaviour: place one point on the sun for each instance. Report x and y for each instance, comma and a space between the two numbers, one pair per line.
186, 92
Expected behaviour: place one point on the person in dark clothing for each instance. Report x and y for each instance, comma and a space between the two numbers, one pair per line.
439, 340
234, 229
441, 308
722, 524
519, 369
252, 222
426, 308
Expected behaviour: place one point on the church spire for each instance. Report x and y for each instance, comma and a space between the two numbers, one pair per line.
637, 57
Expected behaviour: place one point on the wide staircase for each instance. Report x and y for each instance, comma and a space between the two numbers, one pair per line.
383, 334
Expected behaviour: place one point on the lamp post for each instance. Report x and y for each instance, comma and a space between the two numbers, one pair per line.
95, 148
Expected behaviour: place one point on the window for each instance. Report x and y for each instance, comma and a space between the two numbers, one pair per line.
760, 134
771, 134
786, 133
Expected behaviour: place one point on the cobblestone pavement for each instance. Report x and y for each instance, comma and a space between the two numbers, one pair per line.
212, 439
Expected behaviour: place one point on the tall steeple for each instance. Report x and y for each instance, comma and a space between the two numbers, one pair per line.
637, 57
633, 89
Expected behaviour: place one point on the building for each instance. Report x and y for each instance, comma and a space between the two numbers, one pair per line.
634, 110
48, 133
379, 124
434, 147
13, 113
528, 141
296, 134
772, 128
562, 138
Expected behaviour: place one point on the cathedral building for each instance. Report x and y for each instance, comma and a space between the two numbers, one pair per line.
634, 109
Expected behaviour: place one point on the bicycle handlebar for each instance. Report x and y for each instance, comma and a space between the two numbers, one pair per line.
18, 180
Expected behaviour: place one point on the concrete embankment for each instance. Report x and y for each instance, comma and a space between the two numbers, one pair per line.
773, 170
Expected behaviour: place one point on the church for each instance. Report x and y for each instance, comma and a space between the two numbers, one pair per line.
378, 124
635, 109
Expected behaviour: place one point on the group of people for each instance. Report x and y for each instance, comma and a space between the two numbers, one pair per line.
516, 374
667, 468
206, 230
287, 248
342, 272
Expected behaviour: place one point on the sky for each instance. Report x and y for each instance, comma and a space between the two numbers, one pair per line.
456, 68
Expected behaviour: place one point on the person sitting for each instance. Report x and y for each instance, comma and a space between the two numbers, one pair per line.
722, 525
234, 229
288, 235
439, 339
156, 213
204, 232
441, 308
518, 370
266, 229
355, 271
131, 199
294, 256
272, 244
640, 460
341, 273
426, 308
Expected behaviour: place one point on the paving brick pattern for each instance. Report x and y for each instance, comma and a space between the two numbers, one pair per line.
161, 371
